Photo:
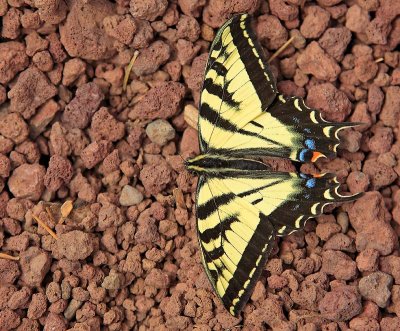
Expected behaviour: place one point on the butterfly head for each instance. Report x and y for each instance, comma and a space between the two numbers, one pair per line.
195, 164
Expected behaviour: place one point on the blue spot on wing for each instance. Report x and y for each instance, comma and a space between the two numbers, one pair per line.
302, 154
310, 143
311, 183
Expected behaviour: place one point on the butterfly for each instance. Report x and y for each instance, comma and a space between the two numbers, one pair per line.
241, 205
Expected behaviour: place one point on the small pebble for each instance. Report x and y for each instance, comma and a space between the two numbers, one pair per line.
160, 132
112, 281
73, 306
130, 196
343, 221
376, 287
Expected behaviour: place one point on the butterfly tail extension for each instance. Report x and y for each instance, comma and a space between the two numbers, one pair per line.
331, 185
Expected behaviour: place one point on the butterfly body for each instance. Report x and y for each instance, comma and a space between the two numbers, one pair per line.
214, 165
241, 204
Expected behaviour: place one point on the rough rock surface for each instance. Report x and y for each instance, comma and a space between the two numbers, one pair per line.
315, 61
31, 91
13, 60
82, 34
27, 181
102, 165
333, 103
75, 245
35, 263
343, 303
162, 101
376, 287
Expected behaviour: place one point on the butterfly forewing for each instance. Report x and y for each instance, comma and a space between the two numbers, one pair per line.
239, 216
237, 78
235, 240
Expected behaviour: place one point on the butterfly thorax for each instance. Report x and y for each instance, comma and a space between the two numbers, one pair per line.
222, 165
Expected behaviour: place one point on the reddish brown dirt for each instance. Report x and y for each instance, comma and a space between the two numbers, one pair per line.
127, 256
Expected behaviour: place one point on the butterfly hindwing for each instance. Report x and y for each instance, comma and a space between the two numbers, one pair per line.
239, 216
289, 199
241, 113
298, 133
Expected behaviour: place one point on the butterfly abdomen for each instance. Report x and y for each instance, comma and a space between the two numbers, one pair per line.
222, 165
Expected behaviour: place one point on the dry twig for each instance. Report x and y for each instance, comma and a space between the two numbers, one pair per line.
280, 50
44, 226
129, 69
8, 257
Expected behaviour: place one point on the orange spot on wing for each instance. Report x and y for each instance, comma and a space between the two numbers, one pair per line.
316, 156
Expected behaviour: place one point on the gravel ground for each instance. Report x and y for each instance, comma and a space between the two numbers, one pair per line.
126, 257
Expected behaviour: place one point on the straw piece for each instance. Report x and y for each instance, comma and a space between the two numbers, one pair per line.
379, 60
44, 226
8, 257
129, 69
66, 208
280, 50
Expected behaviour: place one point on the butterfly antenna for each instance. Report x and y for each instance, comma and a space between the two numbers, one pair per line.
184, 160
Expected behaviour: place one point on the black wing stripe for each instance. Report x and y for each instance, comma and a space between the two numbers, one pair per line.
204, 211
213, 116
257, 189
219, 90
215, 232
251, 61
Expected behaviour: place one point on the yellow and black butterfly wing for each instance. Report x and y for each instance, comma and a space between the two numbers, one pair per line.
235, 241
238, 83
239, 216
241, 113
